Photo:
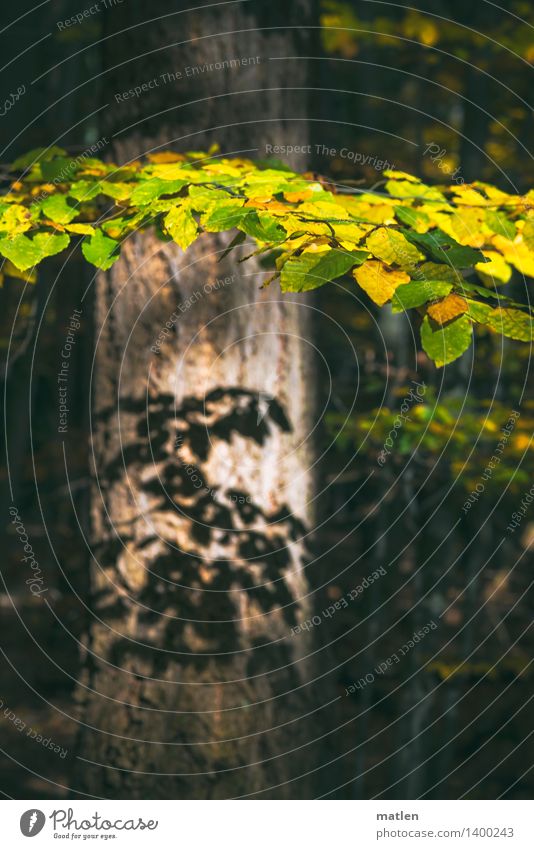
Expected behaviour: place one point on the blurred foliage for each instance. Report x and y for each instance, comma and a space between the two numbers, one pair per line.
344, 31
453, 74
462, 432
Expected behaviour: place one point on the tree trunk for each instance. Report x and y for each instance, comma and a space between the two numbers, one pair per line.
203, 489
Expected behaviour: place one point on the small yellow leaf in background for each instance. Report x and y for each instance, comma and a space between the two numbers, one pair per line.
44, 187
295, 197
379, 281
165, 156
447, 309
272, 206
522, 441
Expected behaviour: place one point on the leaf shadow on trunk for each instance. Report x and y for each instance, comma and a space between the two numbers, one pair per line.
187, 602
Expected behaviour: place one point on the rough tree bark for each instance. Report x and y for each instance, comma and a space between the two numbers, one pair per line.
203, 481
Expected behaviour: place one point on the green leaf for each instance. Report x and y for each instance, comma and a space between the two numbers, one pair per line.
262, 226
311, 270
181, 225
479, 312
444, 248
202, 197
25, 252
58, 209
465, 286
512, 323
21, 251
223, 215
411, 217
500, 224
59, 170
437, 271
445, 344
149, 190
50, 244
418, 292
100, 250
238, 239
36, 155
115, 189
85, 190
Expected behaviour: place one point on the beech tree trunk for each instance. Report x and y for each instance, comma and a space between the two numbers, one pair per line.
202, 505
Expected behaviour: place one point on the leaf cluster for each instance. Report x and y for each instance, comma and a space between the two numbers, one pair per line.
445, 252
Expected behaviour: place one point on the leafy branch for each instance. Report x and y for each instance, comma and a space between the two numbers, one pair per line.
413, 246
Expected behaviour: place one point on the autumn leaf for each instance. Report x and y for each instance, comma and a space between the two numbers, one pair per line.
181, 225
392, 247
100, 250
379, 281
447, 309
513, 323
445, 344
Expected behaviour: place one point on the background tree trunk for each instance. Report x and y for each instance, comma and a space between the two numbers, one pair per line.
203, 480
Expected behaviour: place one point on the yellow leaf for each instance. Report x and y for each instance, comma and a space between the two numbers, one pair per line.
15, 219
527, 231
468, 195
225, 167
181, 225
401, 175
495, 271
517, 253
376, 213
466, 226
165, 156
447, 309
295, 197
522, 441
44, 187
273, 206
392, 247
349, 232
257, 199
320, 245
379, 281
83, 229
171, 171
